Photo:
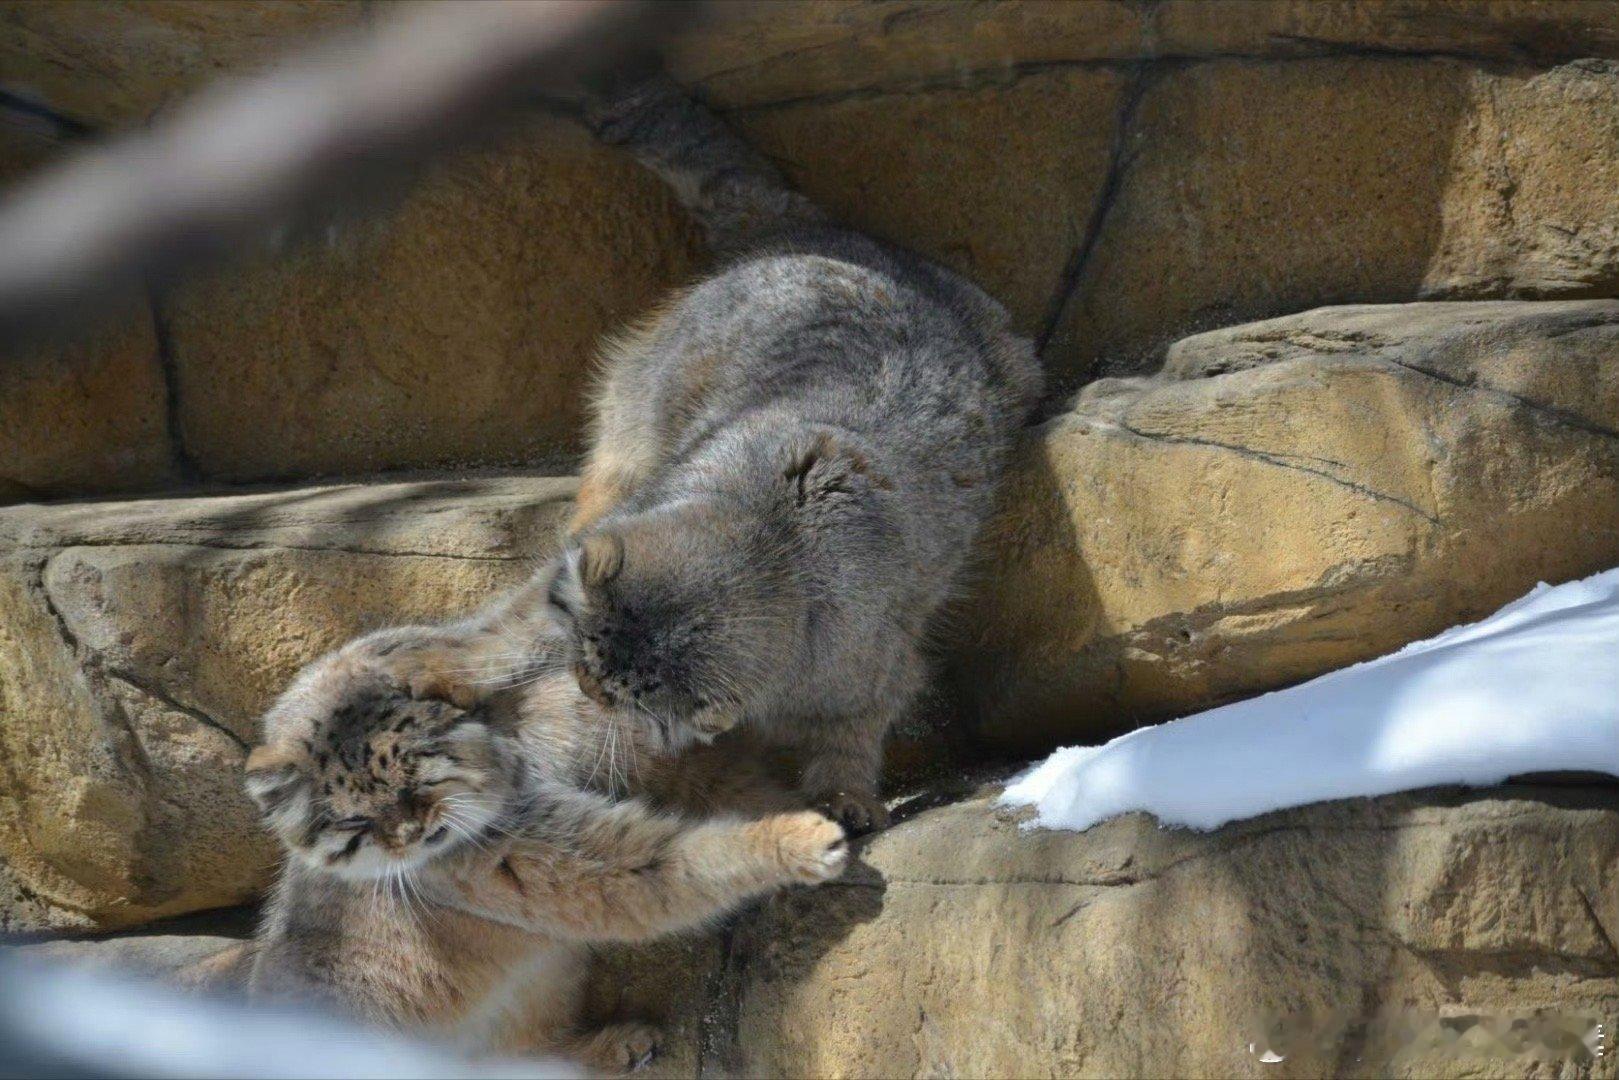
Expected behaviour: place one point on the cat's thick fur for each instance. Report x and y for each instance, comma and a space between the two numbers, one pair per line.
791, 461
449, 868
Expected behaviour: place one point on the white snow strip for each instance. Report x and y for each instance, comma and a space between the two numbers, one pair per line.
1532, 688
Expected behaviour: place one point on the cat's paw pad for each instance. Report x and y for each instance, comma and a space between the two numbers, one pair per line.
813, 848
856, 813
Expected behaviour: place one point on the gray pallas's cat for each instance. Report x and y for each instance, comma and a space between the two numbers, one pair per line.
791, 461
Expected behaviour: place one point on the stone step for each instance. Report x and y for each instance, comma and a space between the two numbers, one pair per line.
1287, 498
141, 640
959, 944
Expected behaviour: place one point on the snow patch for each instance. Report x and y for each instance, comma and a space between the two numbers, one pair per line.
1532, 688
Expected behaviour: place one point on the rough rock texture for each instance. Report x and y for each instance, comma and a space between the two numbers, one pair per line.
1356, 478
961, 947
1120, 174
931, 171
446, 335
79, 415
1335, 936
87, 415
759, 54
139, 643
178, 950
118, 62
1380, 179
1291, 496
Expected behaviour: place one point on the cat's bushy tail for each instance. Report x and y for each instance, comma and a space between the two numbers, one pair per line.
737, 196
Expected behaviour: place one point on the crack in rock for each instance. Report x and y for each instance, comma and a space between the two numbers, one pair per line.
1280, 462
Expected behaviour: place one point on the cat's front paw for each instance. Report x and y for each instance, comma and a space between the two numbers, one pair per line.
855, 812
619, 1049
811, 847
712, 721
434, 671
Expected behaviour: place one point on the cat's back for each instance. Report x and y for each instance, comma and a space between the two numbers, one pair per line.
843, 330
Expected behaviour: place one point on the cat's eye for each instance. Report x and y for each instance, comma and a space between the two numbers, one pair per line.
352, 823
560, 604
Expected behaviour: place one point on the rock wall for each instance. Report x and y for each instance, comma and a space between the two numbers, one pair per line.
1244, 489
1287, 497
1421, 935
1119, 174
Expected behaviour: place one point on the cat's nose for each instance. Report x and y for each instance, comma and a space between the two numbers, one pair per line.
407, 832
592, 686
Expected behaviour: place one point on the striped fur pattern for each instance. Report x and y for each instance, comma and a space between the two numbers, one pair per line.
449, 866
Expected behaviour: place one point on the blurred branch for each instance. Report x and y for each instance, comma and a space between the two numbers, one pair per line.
248, 164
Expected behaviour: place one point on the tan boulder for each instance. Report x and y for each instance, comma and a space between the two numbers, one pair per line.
1543, 30
139, 642
995, 181
80, 415
115, 63
1249, 190
85, 416
767, 53
458, 331
1118, 174
1421, 935
962, 946
1291, 497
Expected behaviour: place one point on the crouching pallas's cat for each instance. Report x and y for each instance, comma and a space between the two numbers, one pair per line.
792, 461
447, 871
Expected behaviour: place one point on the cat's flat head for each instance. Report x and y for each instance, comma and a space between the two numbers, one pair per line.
684, 615
360, 780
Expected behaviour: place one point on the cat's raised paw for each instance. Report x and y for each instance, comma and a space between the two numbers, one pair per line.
856, 813
620, 1049
813, 848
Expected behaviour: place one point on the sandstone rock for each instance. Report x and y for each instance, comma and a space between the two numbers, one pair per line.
117, 62
1335, 936
765, 53
175, 950
1290, 497
962, 946
457, 332
85, 416
1248, 190
768, 53
935, 172
139, 643
1494, 29
81, 415
1356, 479
1120, 175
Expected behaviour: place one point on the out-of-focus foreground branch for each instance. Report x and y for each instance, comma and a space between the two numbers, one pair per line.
247, 164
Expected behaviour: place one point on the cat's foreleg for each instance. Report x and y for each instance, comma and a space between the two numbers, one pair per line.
843, 762
603, 871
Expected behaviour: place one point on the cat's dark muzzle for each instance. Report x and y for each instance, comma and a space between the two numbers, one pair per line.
592, 687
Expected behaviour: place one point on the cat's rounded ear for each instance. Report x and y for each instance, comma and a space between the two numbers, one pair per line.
601, 557
820, 471
275, 775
